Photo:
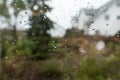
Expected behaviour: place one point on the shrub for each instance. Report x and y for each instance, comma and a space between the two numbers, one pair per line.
92, 68
22, 47
52, 69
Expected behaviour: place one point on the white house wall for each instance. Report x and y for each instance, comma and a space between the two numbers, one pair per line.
83, 18
107, 27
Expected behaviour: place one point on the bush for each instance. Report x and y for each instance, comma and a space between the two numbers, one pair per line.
52, 69
92, 68
22, 47
28, 48
23, 69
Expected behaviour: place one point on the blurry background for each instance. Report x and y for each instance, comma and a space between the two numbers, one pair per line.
62, 13
59, 39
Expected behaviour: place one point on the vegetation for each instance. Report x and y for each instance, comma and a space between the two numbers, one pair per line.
68, 64
35, 55
38, 32
38, 43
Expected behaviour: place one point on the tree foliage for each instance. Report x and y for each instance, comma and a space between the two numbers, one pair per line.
9, 11
38, 32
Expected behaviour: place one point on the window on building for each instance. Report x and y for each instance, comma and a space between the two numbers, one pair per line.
107, 17
118, 4
118, 17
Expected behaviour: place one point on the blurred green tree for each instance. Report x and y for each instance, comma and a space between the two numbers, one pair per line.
9, 10
38, 33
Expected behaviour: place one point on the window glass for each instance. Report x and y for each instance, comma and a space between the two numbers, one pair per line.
59, 39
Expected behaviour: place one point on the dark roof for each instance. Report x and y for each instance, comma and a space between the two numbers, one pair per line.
89, 12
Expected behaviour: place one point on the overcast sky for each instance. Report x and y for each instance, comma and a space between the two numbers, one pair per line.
63, 10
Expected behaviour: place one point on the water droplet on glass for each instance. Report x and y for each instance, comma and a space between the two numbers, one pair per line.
25, 12
100, 45
18, 8
107, 24
35, 7
6, 57
13, 43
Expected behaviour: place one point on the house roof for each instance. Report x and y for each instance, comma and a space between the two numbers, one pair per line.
102, 10
90, 12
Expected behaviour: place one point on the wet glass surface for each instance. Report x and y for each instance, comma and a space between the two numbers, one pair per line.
59, 39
